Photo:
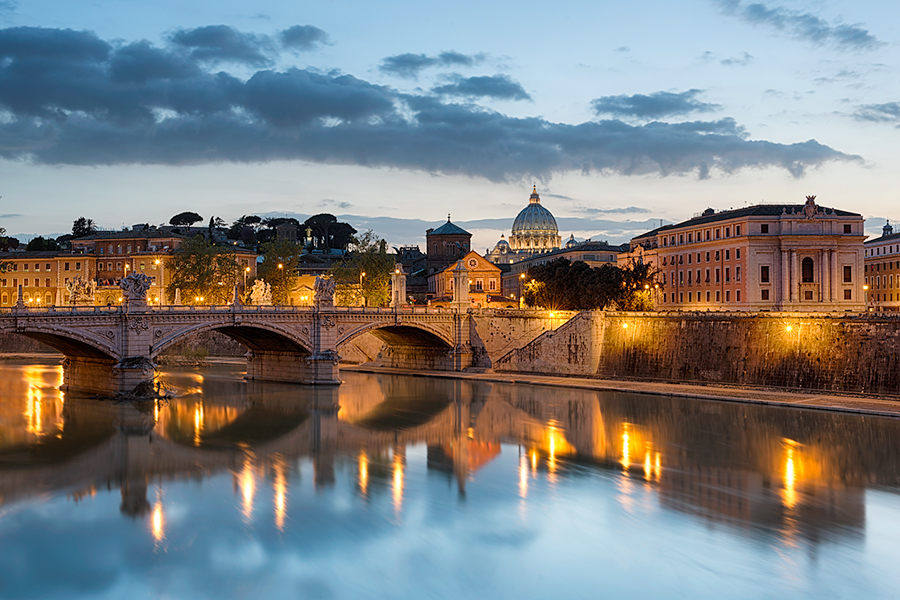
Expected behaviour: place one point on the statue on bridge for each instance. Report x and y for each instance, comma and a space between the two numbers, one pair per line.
261, 293
323, 291
134, 289
81, 291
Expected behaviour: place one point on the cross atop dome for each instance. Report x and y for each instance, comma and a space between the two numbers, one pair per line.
535, 198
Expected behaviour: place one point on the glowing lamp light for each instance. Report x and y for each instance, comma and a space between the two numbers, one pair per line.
552, 315
624, 325
646, 286
789, 328
865, 287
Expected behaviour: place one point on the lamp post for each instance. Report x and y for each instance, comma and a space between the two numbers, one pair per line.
866, 292
281, 271
160, 282
521, 283
362, 274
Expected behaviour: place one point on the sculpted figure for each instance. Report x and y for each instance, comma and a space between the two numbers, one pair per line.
323, 291
81, 290
134, 287
261, 293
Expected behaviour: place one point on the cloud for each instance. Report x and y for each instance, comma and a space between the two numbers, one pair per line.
72, 99
889, 112
500, 87
741, 61
410, 65
303, 37
221, 43
803, 26
653, 106
8, 6
10, 215
622, 49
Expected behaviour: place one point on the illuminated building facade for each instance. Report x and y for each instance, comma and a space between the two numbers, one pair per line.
767, 257
882, 277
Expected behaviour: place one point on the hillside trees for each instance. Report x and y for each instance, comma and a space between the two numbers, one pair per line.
205, 273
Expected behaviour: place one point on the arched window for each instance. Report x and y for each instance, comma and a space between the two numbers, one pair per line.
806, 275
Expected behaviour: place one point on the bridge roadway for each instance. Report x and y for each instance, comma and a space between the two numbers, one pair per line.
113, 349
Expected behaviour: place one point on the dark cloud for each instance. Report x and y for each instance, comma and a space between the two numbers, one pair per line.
653, 106
888, 112
410, 65
501, 87
221, 43
740, 61
803, 26
303, 37
8, 6
10, 215
622, 49
94, 104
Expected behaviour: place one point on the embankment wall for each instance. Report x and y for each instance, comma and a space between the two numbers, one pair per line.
821, 351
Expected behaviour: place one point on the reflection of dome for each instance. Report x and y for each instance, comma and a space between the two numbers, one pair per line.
571, 243
534, 229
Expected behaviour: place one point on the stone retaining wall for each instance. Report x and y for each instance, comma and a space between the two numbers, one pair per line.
837, 351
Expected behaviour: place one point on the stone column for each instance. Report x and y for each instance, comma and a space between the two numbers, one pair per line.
398, 287
826, 276
795, 281
785, 295
460, 287
835, 277
20, 298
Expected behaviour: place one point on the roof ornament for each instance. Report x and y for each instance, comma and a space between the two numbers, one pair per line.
887, 229
448, 217
810, 209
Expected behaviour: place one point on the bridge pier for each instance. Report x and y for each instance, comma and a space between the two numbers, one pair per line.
292, 367
105, 376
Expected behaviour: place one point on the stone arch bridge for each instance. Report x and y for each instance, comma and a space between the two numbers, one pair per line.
113, 349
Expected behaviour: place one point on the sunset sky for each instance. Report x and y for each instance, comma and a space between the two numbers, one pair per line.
393, 114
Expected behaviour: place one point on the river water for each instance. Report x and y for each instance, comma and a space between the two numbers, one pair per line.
406, 487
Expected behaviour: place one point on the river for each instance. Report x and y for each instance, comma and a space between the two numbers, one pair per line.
410, 487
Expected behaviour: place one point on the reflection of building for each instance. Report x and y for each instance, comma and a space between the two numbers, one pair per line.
883, 271
779, 256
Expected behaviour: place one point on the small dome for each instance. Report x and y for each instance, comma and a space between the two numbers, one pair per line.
502, 245
571, 243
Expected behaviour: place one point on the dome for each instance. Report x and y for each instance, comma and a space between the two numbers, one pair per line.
534, 217
572, 242
535, 229
502, 245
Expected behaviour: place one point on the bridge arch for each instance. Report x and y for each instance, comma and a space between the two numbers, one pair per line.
408, 333
74, 343
255, 335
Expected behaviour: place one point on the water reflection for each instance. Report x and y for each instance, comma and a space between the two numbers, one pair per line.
788, 476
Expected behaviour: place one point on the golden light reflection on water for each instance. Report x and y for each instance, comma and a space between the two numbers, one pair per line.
198, 422
280, 486
790, 476
523, 476
363, 472
626, 450
248, 489
157, 523
397, 486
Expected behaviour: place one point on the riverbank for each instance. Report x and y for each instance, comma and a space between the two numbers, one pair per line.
883, 406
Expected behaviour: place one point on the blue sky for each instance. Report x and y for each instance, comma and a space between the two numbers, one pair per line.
621, 113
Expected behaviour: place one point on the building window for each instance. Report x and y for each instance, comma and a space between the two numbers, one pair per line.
681, 297
109, 266
47, 282
727, 295
492, 284
737, 273
707, 235
718, 233
5, 298
707, 257
66, 267
25, 267
118, 266
846, 229
707, 296
101, 249
848, 274
128, 248
142, 266
806, 270
728, 232
717, 256
848, 295
690, 273
673, 296
690, 238
48, 267
764, 294
78, 266
728, 255
737, 232
737, 254
808, 295
737, 293
100, 266
680, 277
689, 258
727, 274
718, 295
681, 239
691, 296
25, 283
707, 276
718, 277
764, 228
119, 249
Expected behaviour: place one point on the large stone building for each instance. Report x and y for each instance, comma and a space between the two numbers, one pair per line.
882, 277
534, 231
483, 279
104, 257
768, 257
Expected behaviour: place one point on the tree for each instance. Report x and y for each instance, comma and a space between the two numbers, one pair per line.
251, 222
39, 243
83, 227
185, 219
205, 273
281, 259
328, 232
216, 223
561, 285
367, 255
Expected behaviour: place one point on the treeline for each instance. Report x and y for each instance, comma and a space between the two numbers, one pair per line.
564, 285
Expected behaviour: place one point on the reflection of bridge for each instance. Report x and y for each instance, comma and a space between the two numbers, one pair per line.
111, 349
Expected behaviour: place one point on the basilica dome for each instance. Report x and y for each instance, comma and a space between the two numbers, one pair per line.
534, 229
